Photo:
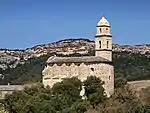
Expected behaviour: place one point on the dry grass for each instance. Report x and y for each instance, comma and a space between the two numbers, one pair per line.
138, 85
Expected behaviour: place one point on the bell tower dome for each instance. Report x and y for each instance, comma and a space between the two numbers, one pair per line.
103, 40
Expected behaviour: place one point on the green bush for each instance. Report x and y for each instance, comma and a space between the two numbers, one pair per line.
63, 97
120, 82
124, 100
94, 90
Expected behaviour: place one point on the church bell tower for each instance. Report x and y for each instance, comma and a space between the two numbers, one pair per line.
103, 40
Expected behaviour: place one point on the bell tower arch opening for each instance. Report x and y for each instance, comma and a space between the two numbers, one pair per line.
100, 30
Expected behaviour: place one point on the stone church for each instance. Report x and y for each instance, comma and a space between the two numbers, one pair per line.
100, 65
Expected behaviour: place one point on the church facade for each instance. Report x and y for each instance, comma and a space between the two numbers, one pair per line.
100, 65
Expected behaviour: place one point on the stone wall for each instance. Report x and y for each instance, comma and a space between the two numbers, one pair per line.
54, 73
3, 93
8, 89
104, 54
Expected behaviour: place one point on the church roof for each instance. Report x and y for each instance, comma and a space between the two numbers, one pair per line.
84, 59
103, 22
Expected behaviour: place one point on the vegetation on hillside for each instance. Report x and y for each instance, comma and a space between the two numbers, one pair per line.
30, 71
130, 66
73, 39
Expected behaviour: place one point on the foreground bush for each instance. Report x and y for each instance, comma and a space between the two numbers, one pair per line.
94, 90
124, 100
63, 97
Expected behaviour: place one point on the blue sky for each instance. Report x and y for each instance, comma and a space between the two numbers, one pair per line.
25, 23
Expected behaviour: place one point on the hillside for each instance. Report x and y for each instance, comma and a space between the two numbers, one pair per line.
23, 66
82, 46
11, 58
132, 66
28, 72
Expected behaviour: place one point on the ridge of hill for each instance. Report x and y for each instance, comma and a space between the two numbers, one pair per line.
82, 46
11, 58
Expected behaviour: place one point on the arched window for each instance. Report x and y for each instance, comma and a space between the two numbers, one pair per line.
99, 44
106, 30
107, 44
100, 30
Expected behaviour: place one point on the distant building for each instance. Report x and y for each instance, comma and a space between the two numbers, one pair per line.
7, 89
100, 65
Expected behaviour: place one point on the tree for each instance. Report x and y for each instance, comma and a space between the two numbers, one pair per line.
94, 90
120, 82
124, 100
67, 92
34, 99
61, 98
79, 106
145, 108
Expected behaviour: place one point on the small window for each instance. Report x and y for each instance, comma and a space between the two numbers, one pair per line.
55, 78
99, 44
106, 29
92, 69
107, 44
46, 78
100, 30
109, 77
